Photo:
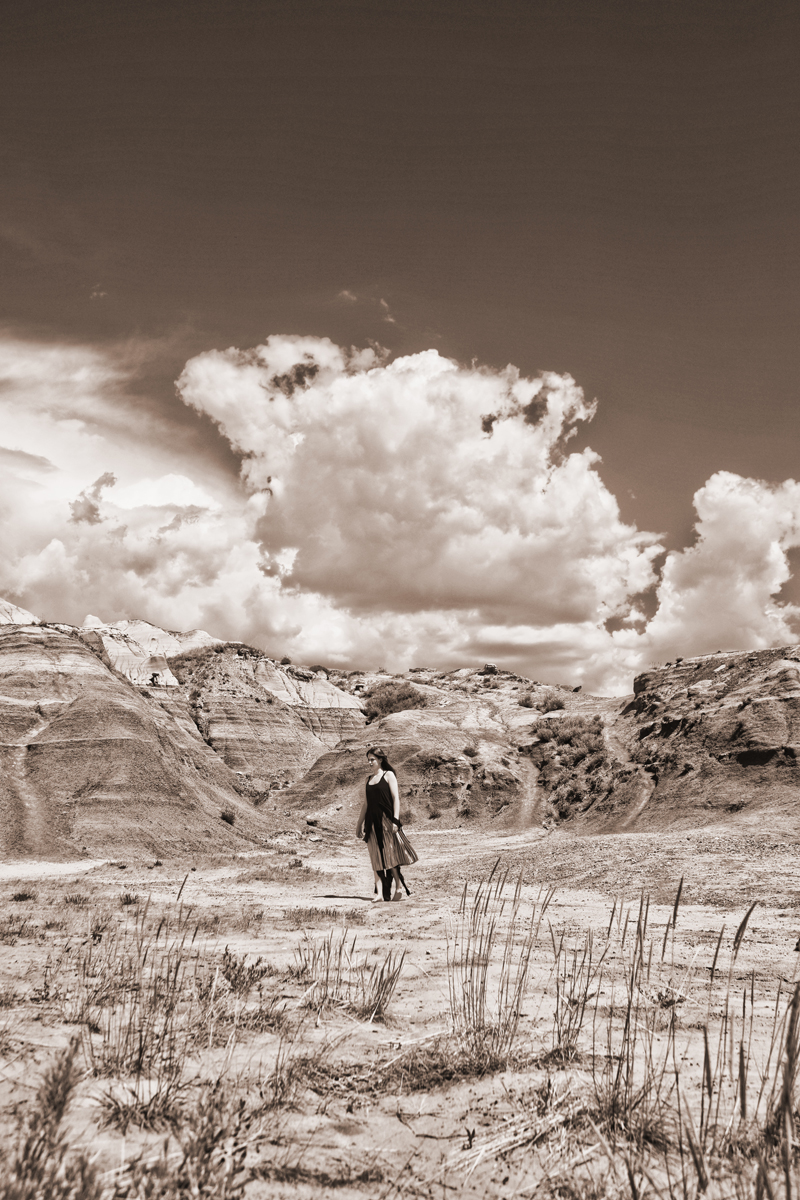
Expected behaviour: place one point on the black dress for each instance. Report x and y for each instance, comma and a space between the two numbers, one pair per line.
387, 844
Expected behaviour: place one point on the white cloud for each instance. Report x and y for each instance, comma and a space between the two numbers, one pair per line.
388, 513
169, 490
719, 593
422, 485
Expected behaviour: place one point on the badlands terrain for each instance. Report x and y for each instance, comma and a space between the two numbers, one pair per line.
591, 991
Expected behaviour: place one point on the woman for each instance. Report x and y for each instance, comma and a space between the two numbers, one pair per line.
379, 825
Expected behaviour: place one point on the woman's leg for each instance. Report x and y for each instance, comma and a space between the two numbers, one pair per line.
398, 892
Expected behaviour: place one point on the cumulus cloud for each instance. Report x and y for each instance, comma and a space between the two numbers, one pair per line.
386, 512
720, 592
421, 484
425, 489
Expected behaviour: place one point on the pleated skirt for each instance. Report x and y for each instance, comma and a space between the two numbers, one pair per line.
397, 849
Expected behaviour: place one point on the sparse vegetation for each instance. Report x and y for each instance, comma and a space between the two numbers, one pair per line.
392, 697
572, 758
185, 665
339, 978
486, 1025
644, 1062
228, 816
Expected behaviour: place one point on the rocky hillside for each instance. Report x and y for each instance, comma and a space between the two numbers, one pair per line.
87, 763
709, 739
268, 723
125, 738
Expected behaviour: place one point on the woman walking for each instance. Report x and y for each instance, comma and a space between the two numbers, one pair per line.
379, 825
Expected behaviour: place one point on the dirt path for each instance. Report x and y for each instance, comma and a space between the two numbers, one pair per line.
26, 869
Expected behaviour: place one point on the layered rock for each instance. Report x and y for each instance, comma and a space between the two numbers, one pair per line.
12, 614
97, 751
301, 686
88, 763
236, 699
139, 650
711, 738
457, 759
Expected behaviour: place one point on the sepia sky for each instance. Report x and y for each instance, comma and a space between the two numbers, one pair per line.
404, 332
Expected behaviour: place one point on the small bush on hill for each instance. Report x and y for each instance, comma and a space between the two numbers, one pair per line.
392, 697
574, 764
183, 665
228, 816
548, 701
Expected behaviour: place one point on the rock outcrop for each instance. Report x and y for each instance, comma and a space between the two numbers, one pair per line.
139, 650
711, 738
12, 614
266, 724
124, 738
460, 758
88, 763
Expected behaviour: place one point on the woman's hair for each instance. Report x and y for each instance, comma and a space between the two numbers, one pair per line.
376, 752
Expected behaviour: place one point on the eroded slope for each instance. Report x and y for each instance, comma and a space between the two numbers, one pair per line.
90, 764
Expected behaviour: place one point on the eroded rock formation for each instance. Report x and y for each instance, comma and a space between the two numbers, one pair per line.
88, 762
97, 753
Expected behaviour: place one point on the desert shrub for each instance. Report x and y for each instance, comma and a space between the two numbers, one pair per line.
391, 697
527, 700
580, 734
184, 664
22, 897
574, 763
427, 761
470, 751
240, 977
569, 796
228, 816
549, 701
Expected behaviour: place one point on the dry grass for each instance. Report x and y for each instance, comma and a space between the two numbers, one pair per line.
488, 971
609, 1105
338, 977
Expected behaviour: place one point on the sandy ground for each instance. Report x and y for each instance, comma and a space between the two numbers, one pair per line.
26, 869
355, 1126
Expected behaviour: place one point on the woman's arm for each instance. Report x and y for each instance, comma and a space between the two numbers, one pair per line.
361, 816
393, 788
